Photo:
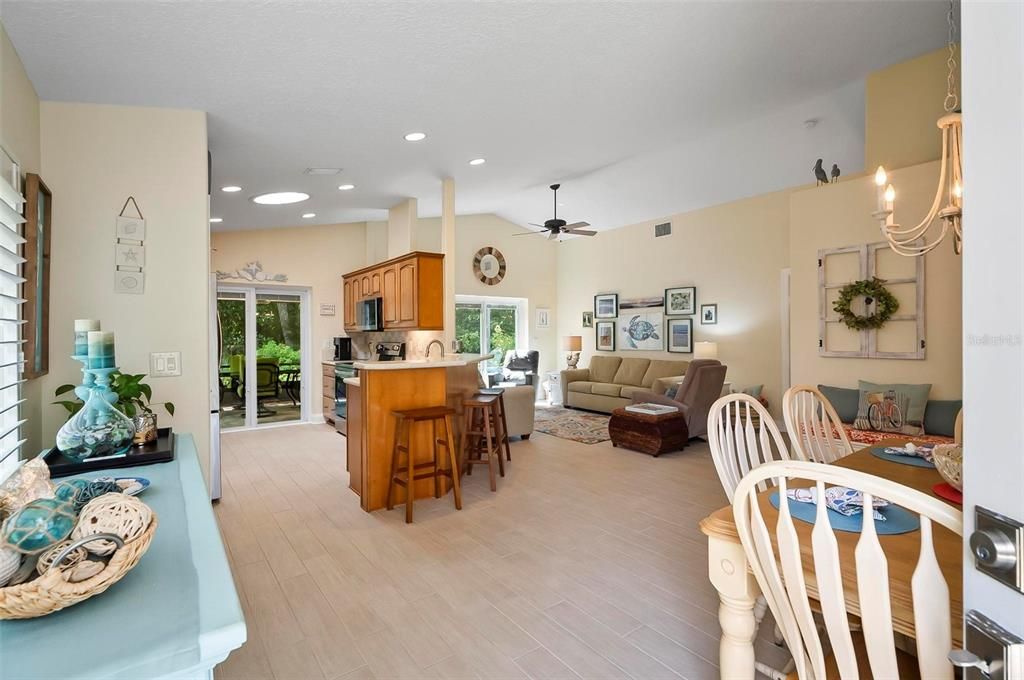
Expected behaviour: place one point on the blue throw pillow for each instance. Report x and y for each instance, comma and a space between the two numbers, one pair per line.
671, 392
843, 399
940, 416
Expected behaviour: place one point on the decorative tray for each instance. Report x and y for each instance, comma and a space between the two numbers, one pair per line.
159, 451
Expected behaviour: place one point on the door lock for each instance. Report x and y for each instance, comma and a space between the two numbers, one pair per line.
998, 547
990, 651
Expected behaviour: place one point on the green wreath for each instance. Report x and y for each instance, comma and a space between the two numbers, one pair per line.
874, 292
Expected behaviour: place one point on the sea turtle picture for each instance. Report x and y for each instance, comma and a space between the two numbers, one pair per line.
640, 330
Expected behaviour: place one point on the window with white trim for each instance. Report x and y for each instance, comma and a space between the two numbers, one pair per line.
11, 359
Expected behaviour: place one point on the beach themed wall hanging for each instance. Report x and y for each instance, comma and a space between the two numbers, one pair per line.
130, 251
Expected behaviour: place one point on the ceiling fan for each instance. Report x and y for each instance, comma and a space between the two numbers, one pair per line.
556, 227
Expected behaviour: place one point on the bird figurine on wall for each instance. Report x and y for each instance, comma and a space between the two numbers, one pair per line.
820, 174
835, 173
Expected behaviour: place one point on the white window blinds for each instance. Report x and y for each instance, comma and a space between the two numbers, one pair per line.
11, 359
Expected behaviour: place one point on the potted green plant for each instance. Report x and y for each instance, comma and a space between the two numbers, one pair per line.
133, 399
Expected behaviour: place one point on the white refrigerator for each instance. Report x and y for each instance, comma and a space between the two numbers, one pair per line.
215, 351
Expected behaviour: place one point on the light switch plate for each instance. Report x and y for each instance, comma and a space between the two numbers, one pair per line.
164, 364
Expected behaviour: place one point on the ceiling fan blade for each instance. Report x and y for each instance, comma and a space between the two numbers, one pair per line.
532, 233
576, 225
534, 224
581, 232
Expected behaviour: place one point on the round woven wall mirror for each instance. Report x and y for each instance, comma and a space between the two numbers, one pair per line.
489, 265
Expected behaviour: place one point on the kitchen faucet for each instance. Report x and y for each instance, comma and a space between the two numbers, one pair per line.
426, 354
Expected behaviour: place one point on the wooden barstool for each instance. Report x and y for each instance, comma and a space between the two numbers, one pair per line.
404, 422
503, 439
481, 435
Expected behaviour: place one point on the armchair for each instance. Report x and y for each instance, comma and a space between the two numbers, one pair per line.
701, 386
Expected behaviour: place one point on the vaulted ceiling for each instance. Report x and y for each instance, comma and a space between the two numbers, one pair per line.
638, 108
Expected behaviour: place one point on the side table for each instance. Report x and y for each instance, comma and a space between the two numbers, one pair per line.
553, 381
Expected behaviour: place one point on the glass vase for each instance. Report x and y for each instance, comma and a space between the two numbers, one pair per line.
98, 429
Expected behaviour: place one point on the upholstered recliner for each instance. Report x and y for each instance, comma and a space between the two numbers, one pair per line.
701, 386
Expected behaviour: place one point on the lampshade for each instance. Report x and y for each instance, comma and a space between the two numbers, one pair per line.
572, 343
705, 350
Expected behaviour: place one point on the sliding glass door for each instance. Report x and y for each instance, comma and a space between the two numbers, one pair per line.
263, 335
489, 326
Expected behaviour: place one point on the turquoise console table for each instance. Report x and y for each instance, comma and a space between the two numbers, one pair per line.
176, 615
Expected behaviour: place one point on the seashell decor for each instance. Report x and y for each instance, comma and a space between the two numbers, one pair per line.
9, 562
113, 513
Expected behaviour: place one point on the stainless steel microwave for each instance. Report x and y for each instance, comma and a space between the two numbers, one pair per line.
370, 314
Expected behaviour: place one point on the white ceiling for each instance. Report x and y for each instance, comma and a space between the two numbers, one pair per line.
578, 92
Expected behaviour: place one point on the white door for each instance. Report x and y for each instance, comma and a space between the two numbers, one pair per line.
993, 286
265, 355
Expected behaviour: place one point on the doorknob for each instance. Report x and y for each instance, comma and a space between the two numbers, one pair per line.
990, 651
997, 544
961, 658
994, 549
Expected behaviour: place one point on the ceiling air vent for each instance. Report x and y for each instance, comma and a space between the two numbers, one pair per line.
662, 229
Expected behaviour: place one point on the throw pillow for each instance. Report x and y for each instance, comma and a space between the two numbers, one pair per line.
671, 392
892, 408
753, 390
940, 416
844, 400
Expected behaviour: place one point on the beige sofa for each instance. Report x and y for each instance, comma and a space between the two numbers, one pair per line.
611, 381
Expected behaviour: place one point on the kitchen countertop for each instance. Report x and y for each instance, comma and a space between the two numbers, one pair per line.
409, 364
354, 382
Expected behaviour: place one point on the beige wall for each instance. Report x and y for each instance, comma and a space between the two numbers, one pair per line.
310, 256
902, 104
93, 158
19, 134
840, 215
732, 253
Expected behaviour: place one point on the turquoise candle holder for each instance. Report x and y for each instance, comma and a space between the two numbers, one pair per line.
98, 429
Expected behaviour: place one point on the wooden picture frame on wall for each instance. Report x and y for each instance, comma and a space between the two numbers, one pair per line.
36, 289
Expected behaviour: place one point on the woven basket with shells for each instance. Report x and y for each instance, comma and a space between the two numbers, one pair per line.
111, 535
949, 461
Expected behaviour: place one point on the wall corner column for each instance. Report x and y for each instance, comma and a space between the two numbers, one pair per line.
448, 248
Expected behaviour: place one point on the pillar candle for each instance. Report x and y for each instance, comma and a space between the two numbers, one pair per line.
82, 328
101, 349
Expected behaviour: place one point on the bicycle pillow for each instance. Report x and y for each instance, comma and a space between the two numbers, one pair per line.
906, 418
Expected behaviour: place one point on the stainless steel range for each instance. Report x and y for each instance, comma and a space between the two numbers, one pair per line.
342, 370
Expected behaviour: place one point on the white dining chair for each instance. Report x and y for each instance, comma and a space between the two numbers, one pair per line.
739, 441
782, 581
814, 428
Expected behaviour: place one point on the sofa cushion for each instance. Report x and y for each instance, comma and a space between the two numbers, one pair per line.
843, 399
663, 368
606, 389
629, 390
583, 386
602, 369
631, 371
910, 398
940, 416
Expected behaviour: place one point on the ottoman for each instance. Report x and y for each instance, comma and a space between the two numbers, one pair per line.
647, 433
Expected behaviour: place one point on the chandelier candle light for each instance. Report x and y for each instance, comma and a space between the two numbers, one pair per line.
914, 241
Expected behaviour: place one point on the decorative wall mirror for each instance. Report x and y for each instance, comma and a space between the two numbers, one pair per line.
36, 289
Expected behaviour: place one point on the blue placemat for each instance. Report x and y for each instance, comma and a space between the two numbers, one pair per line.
916, 461
897, 520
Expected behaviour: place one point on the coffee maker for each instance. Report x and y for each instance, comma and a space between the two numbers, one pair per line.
342, 349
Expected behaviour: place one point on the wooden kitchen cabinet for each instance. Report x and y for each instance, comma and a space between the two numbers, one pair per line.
411, 288
327, 393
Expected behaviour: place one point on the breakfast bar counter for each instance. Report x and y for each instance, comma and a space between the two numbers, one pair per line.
386, 386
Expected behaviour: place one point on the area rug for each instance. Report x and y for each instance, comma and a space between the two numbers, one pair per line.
577, 426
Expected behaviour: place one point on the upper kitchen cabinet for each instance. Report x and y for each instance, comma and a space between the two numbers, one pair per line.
411, 288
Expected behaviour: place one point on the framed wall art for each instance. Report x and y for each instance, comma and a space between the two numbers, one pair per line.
605, 332
588, 319
680, 335
709, 314
681, 301
606, 305
640, 325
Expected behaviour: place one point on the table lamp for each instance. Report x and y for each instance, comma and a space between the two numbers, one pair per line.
573, 344
705, 350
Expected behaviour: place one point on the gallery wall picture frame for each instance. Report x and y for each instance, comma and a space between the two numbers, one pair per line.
588, 319
604, 333
681, 301
36, 272
709, 314
543, 317
606, 306
679, 335
129, 255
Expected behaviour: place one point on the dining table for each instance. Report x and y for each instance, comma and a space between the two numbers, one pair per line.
738, 591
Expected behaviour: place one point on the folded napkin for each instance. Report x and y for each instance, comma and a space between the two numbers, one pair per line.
843, 500
918, 450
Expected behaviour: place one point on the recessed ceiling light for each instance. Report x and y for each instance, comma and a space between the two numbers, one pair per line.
347, 187
215, 220
280, 198
230, 189
322, 171
478, 161
416, 136
306, 216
